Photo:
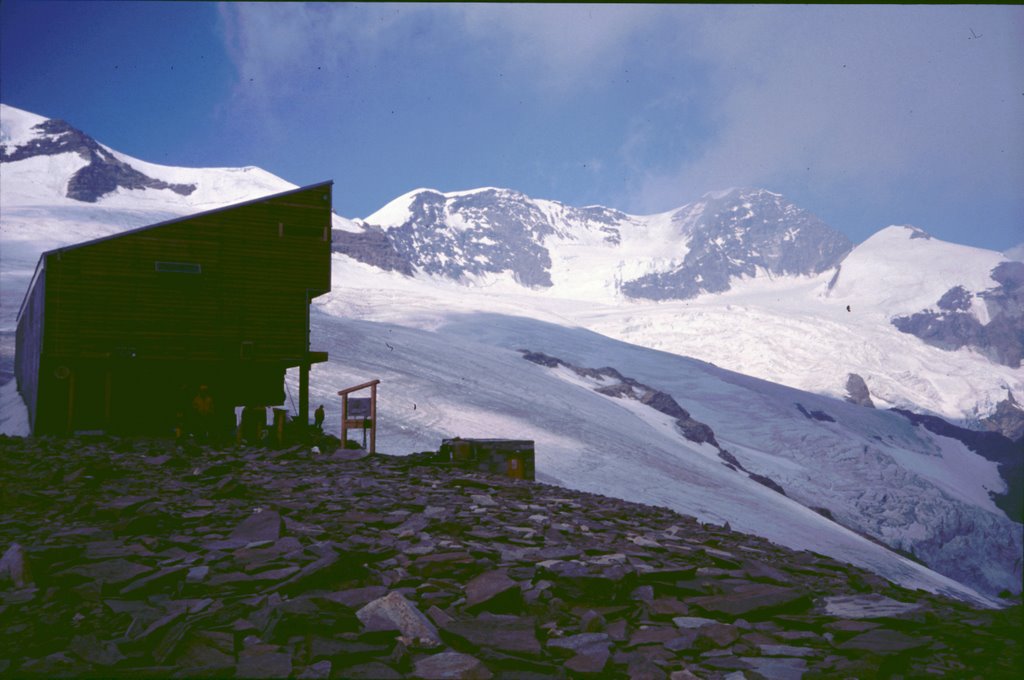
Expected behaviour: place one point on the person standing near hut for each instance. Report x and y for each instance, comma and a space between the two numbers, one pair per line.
202, 411
318, 417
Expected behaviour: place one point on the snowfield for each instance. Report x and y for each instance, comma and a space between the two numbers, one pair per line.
798, 333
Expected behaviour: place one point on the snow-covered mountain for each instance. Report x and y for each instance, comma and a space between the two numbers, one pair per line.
60, 186
743, 278
699, 248
512, 356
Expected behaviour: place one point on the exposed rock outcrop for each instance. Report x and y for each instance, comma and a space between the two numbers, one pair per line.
104, 173
815, 415
1007, 419
952, 326
991, 446
372, 247
739, 234
628, 388
496, 231
857, 391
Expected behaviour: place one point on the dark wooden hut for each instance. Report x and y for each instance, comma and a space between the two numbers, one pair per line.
118, 334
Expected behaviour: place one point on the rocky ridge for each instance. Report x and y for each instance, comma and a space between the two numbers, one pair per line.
718, 239
737, 234
1007, 419
611, 383
104, 172
132, 559
952, 326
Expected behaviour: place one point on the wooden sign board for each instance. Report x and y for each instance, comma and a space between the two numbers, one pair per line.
358, 408
360, 413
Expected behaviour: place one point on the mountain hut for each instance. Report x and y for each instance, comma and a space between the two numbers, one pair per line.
118, 334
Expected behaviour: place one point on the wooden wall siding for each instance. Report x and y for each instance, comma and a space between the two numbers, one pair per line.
255, 273
28, 343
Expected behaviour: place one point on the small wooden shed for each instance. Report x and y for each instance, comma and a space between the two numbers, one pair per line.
510, 457
117, 334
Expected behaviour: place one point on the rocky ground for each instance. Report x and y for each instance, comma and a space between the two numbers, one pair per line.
130, 559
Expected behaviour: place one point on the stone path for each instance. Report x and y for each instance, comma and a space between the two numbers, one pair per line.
127, 559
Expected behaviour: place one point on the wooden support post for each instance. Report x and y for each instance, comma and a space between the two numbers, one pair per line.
280, 416
304, 396
344, 421
373, 418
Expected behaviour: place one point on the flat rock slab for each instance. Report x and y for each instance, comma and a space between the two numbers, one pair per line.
156, 581
357, 597
374, 670
692, 621
443, 564
777, 668
259, 554
754, 599
94, 651
717, 635
871, 606
513, 634
493, 591
885, 641
348, 455
590, 661
786, 650
451, 666
321, 670
395, 612
114, 572
260, 663
577, 644
260, 526
199, 653
653, 635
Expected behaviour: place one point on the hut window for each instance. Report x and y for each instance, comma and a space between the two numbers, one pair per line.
179, 267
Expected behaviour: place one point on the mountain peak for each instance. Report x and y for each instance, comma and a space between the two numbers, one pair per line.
902, 231
399, 210
31, 136
741, 233
740, 192
16, 126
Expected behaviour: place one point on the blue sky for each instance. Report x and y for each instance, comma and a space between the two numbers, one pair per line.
865, 115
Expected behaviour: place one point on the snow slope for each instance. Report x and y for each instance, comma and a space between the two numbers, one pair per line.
901, 270
796, 332
450, 367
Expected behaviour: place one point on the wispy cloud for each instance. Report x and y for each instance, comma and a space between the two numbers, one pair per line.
279, 50
551, 47
866, 96
832, 100
564, 48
